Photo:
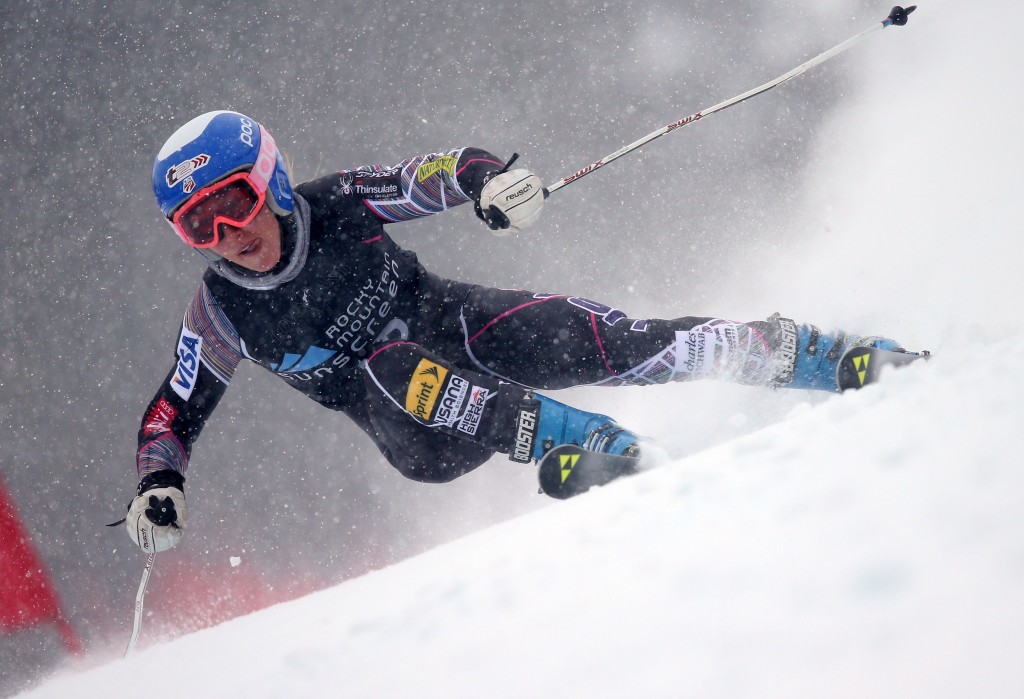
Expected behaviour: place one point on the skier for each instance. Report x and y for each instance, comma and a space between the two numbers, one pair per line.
440, 374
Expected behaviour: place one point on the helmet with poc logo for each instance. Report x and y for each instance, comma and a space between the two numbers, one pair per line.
211, 148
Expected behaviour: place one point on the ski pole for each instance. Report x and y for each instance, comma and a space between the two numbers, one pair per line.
150, 560
898, 16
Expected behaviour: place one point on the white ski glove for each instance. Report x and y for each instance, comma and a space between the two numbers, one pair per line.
156, 518
511, 201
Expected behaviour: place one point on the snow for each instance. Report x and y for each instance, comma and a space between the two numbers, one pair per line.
863, 545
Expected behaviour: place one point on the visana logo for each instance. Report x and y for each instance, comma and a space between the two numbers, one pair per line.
451, 403
190, 348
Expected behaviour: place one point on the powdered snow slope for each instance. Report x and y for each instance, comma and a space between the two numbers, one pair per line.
866, 546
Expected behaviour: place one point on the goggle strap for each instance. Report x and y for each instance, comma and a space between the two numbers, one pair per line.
266, 161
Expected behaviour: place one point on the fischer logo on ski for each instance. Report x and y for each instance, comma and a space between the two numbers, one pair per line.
861, 365
569, 470
568, 463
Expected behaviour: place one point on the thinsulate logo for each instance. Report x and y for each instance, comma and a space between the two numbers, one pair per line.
424, 388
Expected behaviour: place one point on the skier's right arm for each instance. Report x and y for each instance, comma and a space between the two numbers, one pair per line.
206, 356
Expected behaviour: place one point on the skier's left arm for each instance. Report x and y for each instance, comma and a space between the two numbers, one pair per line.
508, 201
205, 359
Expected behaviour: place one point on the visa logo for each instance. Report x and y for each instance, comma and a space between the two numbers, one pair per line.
190, 347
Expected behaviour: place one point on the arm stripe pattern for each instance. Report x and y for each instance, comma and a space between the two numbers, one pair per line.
432, 194
222, 349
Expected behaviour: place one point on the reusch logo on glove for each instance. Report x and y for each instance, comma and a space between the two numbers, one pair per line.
515, 195
424, 388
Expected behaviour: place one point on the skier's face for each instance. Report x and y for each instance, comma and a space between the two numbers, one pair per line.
256, 246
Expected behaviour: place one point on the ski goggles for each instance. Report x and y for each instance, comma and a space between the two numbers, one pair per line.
235, 201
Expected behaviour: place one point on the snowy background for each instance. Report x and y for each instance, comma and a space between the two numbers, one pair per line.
859, 545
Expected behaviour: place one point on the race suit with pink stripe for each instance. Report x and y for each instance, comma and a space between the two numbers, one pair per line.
363, 329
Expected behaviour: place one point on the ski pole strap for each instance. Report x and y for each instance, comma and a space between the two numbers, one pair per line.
515, 157
494, 218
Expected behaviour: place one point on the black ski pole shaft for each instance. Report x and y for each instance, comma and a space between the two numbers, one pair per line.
898, 16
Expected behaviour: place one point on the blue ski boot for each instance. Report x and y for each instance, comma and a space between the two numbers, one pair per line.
818, 355
558, 424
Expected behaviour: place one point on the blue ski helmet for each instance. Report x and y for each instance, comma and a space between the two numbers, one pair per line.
211, 147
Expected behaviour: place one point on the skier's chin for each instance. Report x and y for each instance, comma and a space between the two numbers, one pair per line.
262, 257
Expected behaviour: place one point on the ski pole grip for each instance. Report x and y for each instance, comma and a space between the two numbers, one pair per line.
898, 16
161, 512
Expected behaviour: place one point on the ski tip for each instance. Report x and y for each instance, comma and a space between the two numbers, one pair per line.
899, 15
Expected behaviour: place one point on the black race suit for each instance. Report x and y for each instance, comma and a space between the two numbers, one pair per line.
431, 369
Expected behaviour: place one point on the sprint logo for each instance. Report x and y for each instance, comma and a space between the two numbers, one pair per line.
424, 388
